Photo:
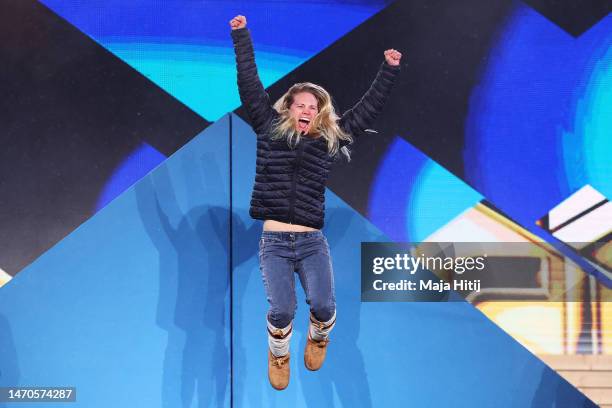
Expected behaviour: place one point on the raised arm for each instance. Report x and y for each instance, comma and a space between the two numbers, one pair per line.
362, 116
252, 93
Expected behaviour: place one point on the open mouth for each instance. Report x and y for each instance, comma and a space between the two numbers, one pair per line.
303, 123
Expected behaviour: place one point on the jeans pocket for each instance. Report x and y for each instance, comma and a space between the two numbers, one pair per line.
269, 240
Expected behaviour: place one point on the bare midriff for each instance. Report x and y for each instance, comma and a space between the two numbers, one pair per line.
272, 225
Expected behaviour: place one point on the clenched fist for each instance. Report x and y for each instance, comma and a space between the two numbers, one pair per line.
393, 57
238, 22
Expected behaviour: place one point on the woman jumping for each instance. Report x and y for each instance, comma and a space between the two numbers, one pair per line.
298, 139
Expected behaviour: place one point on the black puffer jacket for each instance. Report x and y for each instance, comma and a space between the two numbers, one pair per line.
290, 183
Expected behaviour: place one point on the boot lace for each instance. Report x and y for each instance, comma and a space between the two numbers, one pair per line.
279, 361
321, 343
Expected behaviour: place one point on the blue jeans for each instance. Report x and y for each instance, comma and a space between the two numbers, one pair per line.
307, 253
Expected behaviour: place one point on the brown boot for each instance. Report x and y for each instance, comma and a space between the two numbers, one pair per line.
314, 354
278, 371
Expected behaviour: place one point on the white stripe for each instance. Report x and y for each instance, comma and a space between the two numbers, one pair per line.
578, 202
588, 228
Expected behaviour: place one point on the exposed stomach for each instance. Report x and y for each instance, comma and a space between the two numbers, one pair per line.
272, 225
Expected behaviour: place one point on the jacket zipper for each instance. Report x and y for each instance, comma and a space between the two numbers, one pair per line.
298, 160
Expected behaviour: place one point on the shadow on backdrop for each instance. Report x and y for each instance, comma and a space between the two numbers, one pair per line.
193, 287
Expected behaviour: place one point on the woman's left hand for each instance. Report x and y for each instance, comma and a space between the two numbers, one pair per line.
393, 57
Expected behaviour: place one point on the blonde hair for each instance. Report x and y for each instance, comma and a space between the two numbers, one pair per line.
325, 122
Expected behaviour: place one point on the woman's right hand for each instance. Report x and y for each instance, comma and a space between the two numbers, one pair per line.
238, 22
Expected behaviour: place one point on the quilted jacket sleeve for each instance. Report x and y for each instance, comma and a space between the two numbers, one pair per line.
362, 116
252, 93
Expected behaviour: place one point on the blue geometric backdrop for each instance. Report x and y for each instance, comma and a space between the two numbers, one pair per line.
159, 290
